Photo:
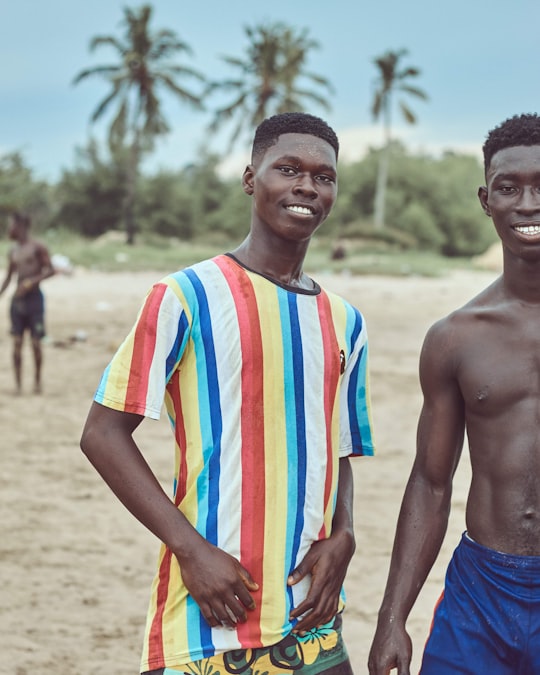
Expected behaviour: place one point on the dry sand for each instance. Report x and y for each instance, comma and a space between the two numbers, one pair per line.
76, 568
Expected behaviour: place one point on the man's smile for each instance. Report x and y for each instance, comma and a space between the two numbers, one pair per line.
528, 230
303, 210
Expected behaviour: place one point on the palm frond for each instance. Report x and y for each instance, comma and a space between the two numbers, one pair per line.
185, 95
414, 91
407, 113
97, 70
109, 40
274, 61
145, 64
377, 104
102, 107
175, 69
391, 78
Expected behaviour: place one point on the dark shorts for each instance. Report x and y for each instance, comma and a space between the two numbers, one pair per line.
320, 652
488, 618
27, 313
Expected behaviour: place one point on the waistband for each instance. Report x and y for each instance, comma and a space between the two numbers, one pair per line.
506, 560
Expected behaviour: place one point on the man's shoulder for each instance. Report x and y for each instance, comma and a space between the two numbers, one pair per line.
196, 269
338, 299
200, 274
36, 245
459, 322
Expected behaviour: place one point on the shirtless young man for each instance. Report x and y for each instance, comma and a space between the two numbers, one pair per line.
480, 373
265, 378
30, 262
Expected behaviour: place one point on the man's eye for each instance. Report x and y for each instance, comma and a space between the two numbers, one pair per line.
325, 179
289, 170
506, 189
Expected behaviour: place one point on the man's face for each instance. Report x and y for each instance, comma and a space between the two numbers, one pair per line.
13, 228
294, 186
512, 198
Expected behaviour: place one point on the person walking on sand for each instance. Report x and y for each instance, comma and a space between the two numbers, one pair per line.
265, 380
480, 374
30, 262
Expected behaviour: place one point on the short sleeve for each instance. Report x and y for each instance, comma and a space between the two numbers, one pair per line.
136, 378
356, 427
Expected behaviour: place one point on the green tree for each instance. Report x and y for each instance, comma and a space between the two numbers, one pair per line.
144, 67
269, 78
391, 78
21, 191
181, 204
90, 195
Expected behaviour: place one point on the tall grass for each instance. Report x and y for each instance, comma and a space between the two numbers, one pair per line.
109, 253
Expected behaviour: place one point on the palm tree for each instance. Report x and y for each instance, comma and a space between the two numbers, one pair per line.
268, 78
143, 67
391, 78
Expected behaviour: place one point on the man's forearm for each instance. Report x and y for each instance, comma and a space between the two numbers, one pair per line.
109, 446
422, 524
343, 514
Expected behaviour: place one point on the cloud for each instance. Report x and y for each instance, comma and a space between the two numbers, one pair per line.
355, 142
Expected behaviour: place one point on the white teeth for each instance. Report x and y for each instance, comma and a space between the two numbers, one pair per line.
300, 209
528, 229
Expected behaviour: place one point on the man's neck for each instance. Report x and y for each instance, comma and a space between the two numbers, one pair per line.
284, 268
522, 279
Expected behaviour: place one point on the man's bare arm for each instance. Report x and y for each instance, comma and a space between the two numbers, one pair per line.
216, 580
425, 508
9, 274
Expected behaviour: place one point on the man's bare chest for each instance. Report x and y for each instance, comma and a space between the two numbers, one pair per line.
499, 365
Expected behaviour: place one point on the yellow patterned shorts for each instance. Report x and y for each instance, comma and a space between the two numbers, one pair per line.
320, 651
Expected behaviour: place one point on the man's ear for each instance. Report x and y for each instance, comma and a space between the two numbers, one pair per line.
248, 179
483, 197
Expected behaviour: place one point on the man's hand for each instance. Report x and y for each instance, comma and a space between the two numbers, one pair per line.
219, 584
327, 562
391, 648
24, 287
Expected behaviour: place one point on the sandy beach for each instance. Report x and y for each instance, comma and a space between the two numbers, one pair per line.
76, 567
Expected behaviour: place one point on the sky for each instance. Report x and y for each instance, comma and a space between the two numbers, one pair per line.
478, 60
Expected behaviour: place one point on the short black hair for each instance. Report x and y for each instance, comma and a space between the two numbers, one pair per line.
517, 130
270, 129
21, 218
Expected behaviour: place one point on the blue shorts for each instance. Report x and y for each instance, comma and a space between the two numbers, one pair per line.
27, 313
488, 618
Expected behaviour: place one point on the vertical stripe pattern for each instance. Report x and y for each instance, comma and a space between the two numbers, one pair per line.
266, 387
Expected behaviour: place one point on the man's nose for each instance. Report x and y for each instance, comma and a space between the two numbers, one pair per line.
305, 184
530, 199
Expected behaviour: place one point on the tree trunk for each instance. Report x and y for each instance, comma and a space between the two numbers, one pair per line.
131, 174
384, 160
380, 190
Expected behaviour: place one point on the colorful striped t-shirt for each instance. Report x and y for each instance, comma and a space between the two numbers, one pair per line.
266, 387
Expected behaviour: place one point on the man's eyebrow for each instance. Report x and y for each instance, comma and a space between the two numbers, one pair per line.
514, 177
293, 159
508, 175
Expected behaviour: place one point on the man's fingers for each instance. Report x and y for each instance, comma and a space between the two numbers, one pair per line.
226, 617
403, 667
248, 581
243, 592
210, 616
298, 573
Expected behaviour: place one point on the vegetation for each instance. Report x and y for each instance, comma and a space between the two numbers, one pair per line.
143, 68
268, 80
432, 210
162, 255
428, 204
392, 78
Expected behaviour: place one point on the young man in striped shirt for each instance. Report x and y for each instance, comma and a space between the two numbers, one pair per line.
264, 377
